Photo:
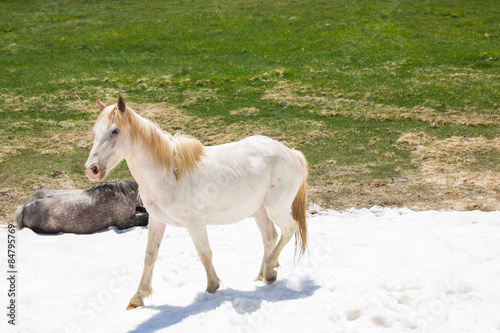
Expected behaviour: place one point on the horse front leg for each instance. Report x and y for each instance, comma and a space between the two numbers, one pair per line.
199, 236
155, 236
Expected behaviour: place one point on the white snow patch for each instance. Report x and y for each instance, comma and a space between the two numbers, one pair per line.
367, 270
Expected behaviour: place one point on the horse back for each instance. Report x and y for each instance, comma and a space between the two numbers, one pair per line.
236, 179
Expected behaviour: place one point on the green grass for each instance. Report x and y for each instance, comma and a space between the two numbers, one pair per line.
365, 71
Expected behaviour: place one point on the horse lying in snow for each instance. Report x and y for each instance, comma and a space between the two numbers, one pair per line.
116, 203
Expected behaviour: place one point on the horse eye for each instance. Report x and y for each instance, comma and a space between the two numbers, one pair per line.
115, 131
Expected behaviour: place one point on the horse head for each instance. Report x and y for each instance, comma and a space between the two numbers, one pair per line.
112, 141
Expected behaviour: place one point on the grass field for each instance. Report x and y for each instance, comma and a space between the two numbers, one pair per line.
394, 103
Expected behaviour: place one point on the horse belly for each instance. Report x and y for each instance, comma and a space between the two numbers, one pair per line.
235, 204
227, 216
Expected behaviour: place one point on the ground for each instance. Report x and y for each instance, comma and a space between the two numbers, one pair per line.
366, 270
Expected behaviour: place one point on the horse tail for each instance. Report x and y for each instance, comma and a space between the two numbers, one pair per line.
19, 217
299, 208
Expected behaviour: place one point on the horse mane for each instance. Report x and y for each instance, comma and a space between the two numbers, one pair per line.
128, 188
124, 187
187, 154
182, 150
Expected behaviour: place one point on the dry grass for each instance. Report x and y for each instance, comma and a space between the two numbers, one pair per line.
245, 112
448, 172
194, 96
330, 103
62, 137
414, 139
453, 162
295, 94
452, 170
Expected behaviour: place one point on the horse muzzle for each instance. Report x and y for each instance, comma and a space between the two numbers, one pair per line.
94, 173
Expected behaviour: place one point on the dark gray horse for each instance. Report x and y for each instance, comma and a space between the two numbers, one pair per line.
114, 203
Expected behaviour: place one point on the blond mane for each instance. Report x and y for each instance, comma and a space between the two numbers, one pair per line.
183, 151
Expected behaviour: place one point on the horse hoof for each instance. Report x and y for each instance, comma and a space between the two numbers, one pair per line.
270, 276
212, 289
132, 306
270, 280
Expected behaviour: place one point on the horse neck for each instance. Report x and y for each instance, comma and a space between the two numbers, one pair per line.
160, 152
151, 151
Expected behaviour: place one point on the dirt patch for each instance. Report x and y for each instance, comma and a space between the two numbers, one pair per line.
453, 171
454, 161
451, 174
412, 192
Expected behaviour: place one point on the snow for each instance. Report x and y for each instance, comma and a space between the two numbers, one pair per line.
367, 270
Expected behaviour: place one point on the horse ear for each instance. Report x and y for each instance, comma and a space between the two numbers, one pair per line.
101, 105
121, 103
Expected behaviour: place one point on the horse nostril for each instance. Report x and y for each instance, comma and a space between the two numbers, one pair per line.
95, 171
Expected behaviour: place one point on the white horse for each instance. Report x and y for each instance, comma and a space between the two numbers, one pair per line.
184, 183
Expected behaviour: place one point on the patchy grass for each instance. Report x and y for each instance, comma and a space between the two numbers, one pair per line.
377, 94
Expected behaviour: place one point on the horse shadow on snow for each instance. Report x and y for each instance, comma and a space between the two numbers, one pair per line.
242, 302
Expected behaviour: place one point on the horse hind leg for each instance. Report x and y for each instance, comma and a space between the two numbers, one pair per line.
269, 237
288, 226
